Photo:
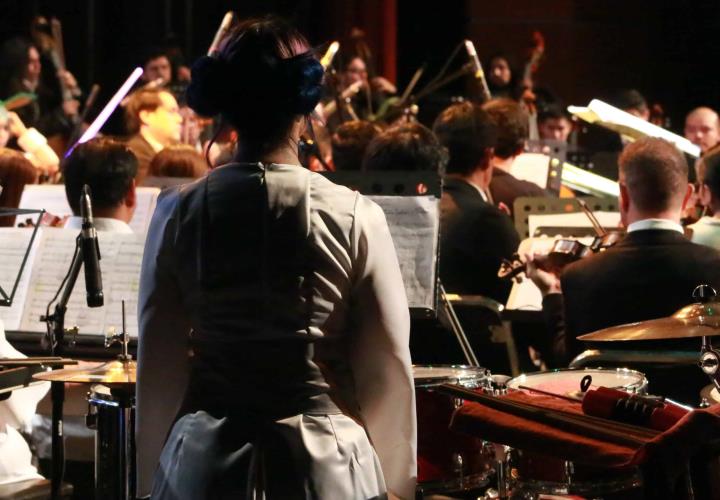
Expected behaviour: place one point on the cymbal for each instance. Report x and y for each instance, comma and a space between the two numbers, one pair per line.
695, 320
111, 373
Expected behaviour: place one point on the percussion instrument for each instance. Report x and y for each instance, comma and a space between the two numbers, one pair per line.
532, 474
112, 373
567, 381
111, 413
448, 461
692, 321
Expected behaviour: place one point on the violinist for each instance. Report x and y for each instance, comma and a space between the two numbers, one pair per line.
650, 274
475, 235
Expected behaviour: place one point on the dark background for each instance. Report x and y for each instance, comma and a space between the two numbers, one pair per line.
667, 50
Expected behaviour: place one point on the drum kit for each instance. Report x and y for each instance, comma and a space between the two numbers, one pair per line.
111, 413
462, 466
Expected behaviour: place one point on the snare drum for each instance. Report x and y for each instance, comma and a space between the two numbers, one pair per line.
448, 461
534, 474
567, 382
112, 414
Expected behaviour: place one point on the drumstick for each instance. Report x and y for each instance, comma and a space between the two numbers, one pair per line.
642, 431
547, 393
593, 427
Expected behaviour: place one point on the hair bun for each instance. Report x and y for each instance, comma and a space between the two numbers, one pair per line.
208, 86
304, 74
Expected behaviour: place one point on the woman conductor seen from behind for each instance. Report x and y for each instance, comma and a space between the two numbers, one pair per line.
273, 346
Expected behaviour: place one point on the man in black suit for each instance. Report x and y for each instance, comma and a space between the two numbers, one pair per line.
650, 274
511, 123
475, 235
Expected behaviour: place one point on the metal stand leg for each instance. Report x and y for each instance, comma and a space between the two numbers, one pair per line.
458, 329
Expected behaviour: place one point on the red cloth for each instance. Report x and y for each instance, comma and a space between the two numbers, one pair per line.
666, 454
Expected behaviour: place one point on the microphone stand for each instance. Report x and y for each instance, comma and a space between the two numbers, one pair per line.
56, 338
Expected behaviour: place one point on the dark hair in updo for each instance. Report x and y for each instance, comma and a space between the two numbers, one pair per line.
258, 82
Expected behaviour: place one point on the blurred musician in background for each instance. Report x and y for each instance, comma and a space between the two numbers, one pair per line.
153, 120
554, 123
21, 71
349, 143
156, 67
702, 128
15, 172
33, 144
408, 146
650, 274
511, 122
706, 231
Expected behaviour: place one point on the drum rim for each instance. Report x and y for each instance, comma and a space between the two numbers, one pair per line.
477, 373
643, 381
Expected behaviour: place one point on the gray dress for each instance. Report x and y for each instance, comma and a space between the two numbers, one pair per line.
273, 345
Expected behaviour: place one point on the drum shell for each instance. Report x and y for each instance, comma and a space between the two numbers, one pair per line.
448, 461
113, 418
535, 473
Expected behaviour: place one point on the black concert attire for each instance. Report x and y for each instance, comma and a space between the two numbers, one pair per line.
650, 274
505, 187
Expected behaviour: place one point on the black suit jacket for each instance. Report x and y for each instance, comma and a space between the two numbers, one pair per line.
649, 274
505, 187
475, 237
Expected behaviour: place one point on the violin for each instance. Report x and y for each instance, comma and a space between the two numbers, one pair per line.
564, 250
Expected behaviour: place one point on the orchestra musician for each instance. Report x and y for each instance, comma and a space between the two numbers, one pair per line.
33, 144
511, 122
287, 291
475, 235
153, 120
706, 230
349, 143
21, 71
649, 274
702, 127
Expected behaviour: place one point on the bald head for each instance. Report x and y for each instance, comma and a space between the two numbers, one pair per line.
702, 127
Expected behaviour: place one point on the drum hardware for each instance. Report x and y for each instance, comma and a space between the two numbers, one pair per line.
448, 462
112, 413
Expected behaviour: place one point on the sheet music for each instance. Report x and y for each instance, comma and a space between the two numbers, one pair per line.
531, 167
121, 257
13, 243
414, 225
52, 198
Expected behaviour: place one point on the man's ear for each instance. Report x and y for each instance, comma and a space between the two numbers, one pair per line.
705, 195
688, 194
624, 198
131, 196
143, 116
486, 159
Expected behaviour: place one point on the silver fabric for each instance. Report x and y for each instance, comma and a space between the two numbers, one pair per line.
300, 360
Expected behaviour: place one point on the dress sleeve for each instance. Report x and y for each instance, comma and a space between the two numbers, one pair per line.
163, 363
380, 354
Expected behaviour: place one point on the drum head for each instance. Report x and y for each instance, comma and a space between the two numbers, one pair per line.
433, 375
568, 381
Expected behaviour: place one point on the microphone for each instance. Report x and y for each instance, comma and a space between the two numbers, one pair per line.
90, 252
477, 67
220, 33
327, 59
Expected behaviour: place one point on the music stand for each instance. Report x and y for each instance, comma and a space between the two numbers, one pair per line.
5, 299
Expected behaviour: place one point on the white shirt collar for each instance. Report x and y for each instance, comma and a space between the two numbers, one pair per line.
101, 224
662, 224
